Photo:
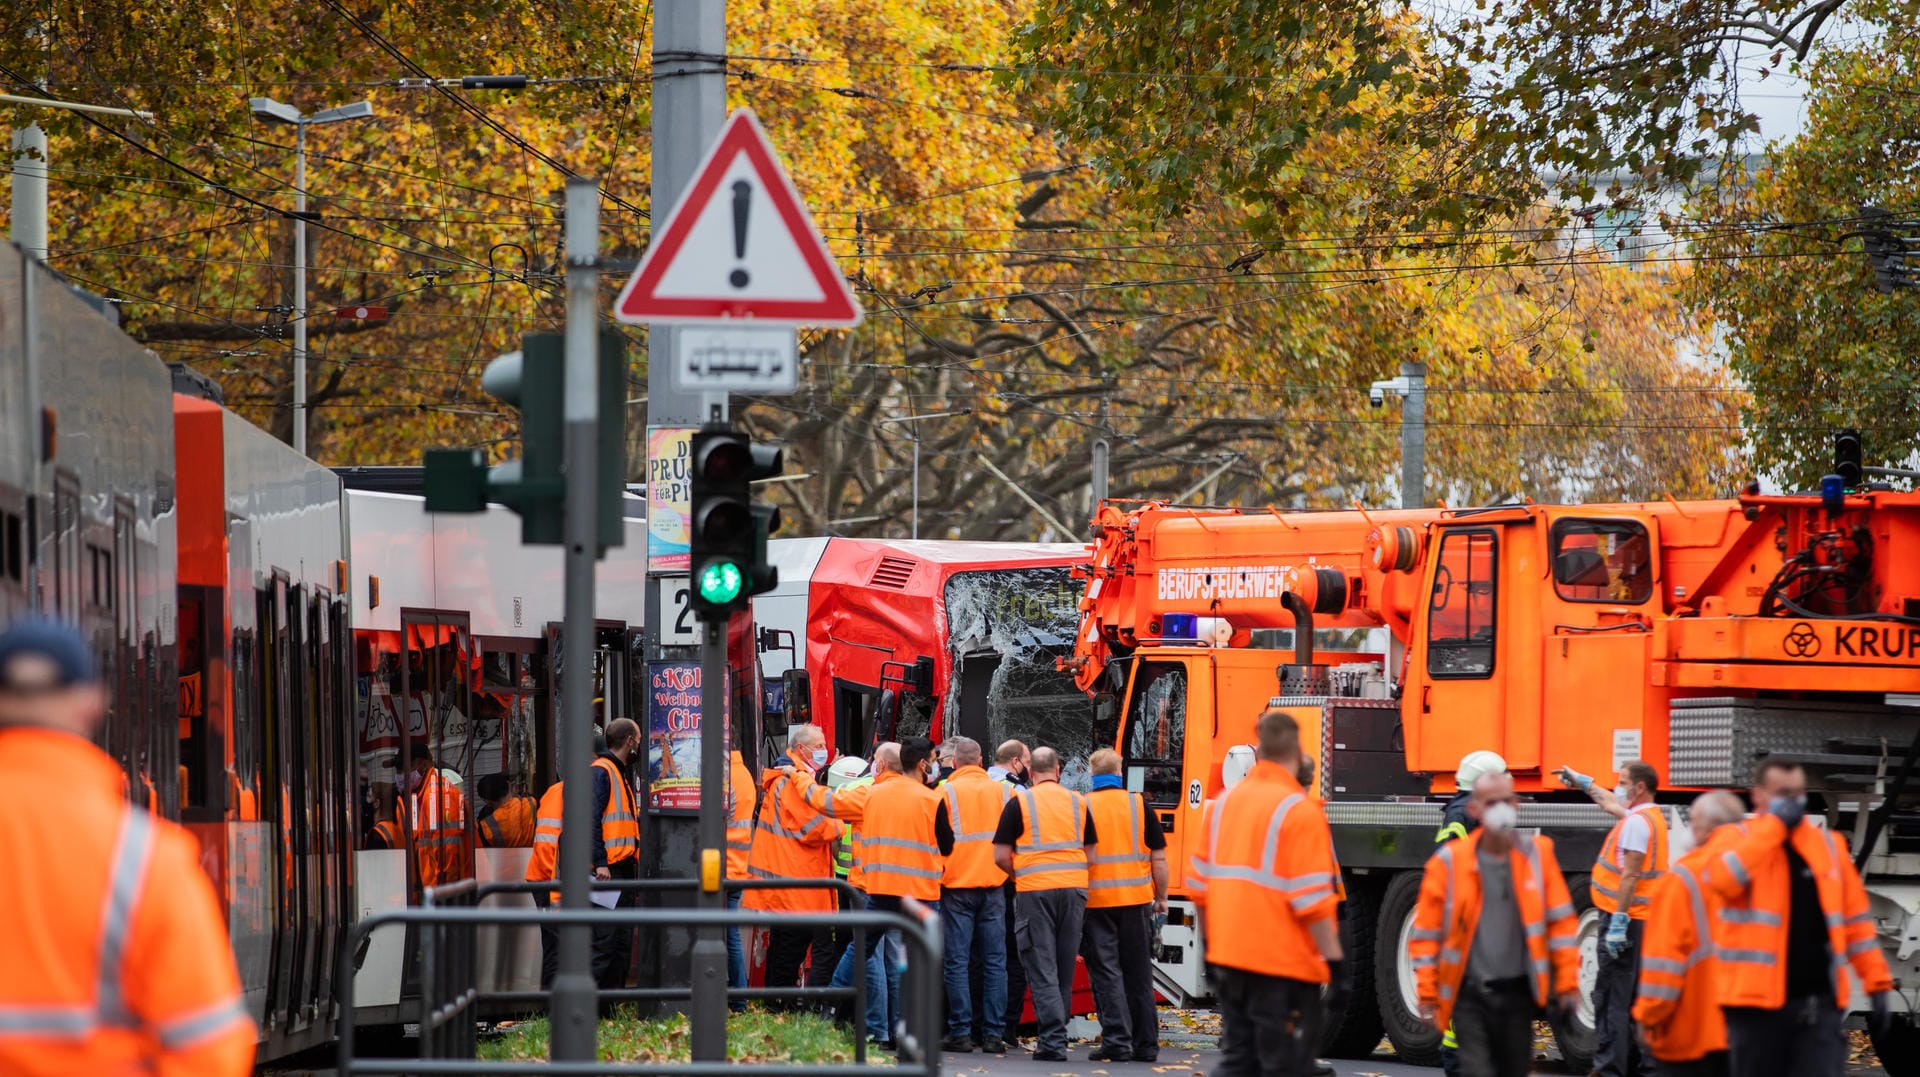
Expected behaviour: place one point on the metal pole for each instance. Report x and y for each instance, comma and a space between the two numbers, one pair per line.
575, 1000
1413, 437
709, 1010
300, 288
913, 431
689, 107
1100, 454
30, 190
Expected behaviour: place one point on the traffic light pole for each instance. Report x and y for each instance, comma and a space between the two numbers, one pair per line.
709, 1013
575, 998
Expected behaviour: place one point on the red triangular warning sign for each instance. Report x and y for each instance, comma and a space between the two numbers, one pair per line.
738, 245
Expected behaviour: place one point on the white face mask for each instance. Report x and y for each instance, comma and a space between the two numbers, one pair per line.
1500, 818
1622, 792
819, 757
933, 770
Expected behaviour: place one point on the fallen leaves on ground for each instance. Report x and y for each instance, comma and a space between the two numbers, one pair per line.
753, 1036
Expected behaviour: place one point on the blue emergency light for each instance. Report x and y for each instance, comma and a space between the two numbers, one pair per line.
1180, 626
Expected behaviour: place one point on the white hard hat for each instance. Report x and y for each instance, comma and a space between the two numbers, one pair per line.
1237, 765
845, 769
1474, 764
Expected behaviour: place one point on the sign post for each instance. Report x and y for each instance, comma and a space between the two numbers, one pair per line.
734, 269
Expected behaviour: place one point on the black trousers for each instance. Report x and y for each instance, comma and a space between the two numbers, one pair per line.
1270, 1025
1016, 975
1494, 1024
1710, 1065
613, 946
549, 943
1114, 944
827, 944
1803, 1038
1618, 1053
786, 951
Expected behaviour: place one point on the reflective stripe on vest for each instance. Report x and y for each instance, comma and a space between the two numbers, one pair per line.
1607, 870
619, 827
971, 865
770, 821
1121, 871
126, 879
1303, 890
1051, 857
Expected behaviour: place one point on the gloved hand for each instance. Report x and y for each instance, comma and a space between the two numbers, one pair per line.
1339, 987
1789, 810
1881, 1022
1573, 779
1616, 938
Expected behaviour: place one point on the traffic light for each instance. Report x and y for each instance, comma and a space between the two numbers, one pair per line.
1846, 458
729, 532
533, 380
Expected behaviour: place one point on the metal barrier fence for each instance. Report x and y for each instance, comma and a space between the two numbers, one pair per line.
450, 995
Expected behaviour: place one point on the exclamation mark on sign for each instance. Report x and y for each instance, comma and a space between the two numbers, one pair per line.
742, 193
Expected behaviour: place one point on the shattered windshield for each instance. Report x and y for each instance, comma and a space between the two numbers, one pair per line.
1016, 622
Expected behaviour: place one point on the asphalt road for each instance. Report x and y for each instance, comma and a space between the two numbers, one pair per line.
1174, 1062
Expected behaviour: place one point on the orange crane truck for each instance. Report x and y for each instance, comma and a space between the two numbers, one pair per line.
1699, 636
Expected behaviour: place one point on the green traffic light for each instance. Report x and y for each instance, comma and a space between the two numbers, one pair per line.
720, 583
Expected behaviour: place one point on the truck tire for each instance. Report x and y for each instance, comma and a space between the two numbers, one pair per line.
1355, 1032
1416, 1042
1899, 1049
1577, 1037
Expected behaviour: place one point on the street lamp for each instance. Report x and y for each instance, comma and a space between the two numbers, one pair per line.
913, 433
266, 108
1411, 388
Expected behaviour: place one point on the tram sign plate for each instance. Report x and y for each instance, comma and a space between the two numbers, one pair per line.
735, 357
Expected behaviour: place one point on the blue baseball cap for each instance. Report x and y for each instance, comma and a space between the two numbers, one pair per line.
56, 642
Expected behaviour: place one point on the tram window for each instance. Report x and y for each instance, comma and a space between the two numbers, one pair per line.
1157, 730
12, 548
66, 545
193, 698
1602, 561
1460, 632
377, 718
100, 592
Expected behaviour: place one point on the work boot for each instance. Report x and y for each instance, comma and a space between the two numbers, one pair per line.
1108, 1054
994, 1046
959, 1045
1049, 1056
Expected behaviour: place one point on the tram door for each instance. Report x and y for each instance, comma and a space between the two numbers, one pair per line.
437, 671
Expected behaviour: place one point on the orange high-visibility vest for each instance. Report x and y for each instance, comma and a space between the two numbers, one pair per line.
388, 832
1448, 914
899, 856
619, 826
1050, 853
439, 815
1678, 1002
974, 804
1750, 938
1121, 871
115, 946
546, 836
1608, 869
1266, 859
791, 840
847, 804
739, 817
509, 825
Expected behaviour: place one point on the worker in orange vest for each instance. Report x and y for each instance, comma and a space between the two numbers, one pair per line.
1678, 1002
114, 947
792, 840
616, 846
740, 805
1493, 938
506, 819
1126, 888
843, 795
1795, 916
1267, 860
1045, 839
901, 846
437, 811
1012, 762
973, 911
1632, 859
540, 869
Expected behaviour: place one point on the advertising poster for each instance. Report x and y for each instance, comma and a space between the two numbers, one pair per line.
673, 736
669, 498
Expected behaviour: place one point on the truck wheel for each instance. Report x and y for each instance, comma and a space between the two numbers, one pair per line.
1416, 1042
1899, 1049
1356, 1032
1577, 1037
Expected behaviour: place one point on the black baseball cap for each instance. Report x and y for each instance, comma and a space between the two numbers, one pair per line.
56, 643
